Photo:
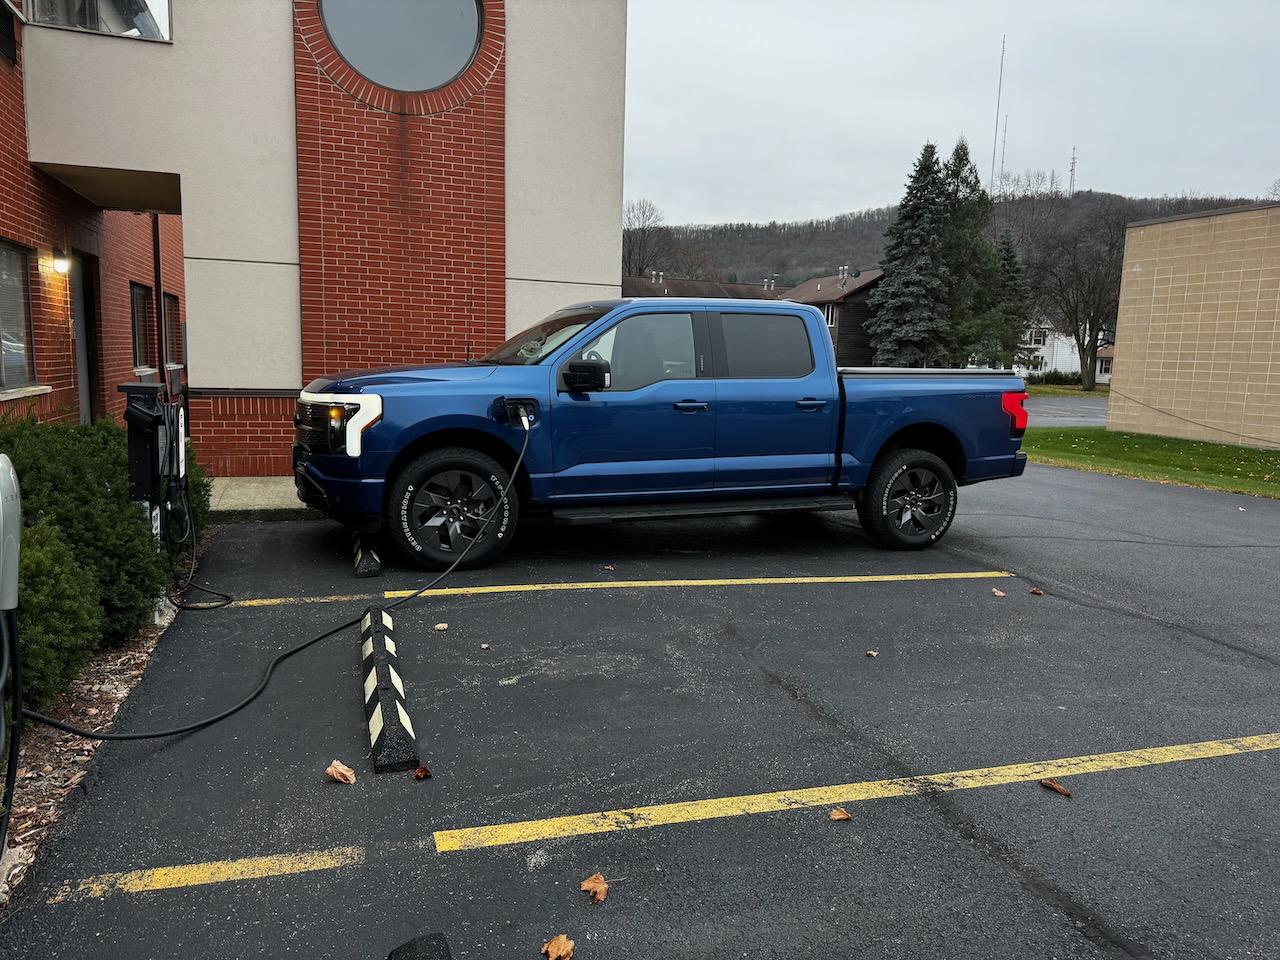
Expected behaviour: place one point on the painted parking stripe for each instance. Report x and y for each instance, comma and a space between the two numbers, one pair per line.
666, 814
632, 585
217, 871
256, 868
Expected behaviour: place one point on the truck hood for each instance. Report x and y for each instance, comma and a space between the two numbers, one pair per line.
357, 381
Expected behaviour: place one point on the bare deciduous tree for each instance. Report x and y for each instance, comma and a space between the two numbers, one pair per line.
1274, 192
646, 239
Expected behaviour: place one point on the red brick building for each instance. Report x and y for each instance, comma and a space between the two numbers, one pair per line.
70, 337
360, 182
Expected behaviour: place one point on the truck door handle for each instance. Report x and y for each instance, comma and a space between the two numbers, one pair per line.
690, 406
811, 403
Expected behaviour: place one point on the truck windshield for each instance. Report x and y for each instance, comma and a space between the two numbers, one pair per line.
530, 346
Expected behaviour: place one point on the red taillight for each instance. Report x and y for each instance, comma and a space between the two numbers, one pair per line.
1011, 403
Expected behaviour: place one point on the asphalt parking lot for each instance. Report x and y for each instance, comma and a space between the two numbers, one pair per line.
738, 714
1086, 410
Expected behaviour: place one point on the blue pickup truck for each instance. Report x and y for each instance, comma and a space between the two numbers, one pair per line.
644, 408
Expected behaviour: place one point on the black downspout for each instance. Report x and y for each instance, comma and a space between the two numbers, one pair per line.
161, 347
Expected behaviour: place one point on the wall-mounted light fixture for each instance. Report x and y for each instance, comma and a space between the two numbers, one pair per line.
61, 262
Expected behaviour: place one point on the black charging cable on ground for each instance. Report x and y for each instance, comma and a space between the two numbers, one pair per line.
292, 651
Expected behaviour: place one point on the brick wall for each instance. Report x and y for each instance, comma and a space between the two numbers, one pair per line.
39, 214
243, 436
401, 222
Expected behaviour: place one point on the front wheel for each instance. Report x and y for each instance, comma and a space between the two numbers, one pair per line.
909, 501
449, 503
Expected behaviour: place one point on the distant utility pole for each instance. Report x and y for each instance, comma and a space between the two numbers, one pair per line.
995, 134
1071, 183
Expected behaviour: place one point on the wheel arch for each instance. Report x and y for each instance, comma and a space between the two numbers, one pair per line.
470, 438
933, 437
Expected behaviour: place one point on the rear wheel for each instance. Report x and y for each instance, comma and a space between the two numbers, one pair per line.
909, 501
450, 501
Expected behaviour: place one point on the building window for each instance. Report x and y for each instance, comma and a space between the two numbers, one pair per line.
1037, 338
144, 326
8, 34
406, 45
831, 312
1104, 366
143, 19
15, 327
172, 328
1037, 363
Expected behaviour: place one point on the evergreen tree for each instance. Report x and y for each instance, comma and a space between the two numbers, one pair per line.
1013, 306
909, 315
971, 262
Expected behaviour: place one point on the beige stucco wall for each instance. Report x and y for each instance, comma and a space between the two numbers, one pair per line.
216, 106
566, 78
1198, 334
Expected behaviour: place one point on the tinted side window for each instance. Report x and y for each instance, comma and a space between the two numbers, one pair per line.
646, 349
765, 345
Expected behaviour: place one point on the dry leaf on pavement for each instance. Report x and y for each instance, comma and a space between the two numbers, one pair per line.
873, 653
607, 566
840, 813
442, 626
1051, 784
484, 646
597, 886
998, 593
422, 773
340, 772
1036, 592
558, 947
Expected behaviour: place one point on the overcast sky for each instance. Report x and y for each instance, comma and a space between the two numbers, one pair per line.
758, 110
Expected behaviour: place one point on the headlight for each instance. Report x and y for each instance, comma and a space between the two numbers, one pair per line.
340, 419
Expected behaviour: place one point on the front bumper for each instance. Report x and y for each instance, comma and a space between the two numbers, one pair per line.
354, 501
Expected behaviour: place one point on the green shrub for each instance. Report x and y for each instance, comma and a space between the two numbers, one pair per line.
59, 619
76, 477
200, 489
1058, 377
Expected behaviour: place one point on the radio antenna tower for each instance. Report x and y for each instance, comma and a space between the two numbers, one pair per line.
1004, 142
1071, 183
995, 134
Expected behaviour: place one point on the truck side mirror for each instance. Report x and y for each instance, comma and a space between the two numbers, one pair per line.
584, 376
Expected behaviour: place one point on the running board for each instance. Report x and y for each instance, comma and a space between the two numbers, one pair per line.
606, 513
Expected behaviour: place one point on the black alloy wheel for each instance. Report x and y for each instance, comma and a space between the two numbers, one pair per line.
448, 501
909, 500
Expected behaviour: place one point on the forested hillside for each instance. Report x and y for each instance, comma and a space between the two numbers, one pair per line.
797, 250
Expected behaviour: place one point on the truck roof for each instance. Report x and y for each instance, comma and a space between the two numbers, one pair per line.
698, 302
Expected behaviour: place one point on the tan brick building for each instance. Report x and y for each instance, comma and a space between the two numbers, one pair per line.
1198, 335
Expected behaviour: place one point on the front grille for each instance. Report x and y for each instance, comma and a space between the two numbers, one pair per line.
311, 426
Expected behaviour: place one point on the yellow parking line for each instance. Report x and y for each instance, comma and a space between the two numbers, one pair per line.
628, 585
282, 601
666, 814
717, 582
638, 818
217, 871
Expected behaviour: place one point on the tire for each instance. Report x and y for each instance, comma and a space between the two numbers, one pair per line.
437, 505
909, 501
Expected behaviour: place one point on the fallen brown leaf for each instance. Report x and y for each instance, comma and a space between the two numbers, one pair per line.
607, 566
1051, 784
422, 773
484, 646
558, 947
340, 772
597, 886
998, 593
1036, 592
873, 653
442, 626
840, 813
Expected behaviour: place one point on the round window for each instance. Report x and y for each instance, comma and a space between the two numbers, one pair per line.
406, 45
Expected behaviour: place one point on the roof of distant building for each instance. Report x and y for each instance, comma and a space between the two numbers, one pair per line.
676, 287
831, 290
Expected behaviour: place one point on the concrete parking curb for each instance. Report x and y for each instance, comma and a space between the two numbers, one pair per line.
393, 744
